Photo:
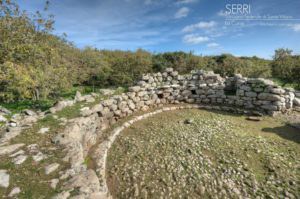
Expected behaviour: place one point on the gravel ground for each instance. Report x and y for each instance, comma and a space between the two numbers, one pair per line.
201, 154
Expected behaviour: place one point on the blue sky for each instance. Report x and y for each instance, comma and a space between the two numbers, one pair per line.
201, 26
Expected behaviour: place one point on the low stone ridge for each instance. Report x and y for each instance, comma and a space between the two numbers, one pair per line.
206, 89
235, 94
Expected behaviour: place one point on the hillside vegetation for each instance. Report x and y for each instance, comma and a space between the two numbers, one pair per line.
37, 65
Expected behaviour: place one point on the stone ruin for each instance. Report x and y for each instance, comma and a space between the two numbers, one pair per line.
202, 89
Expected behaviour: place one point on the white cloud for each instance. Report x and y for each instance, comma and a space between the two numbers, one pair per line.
185, 1
201, 25
212, 45
296, 27
222, 13
182, 12
194, 39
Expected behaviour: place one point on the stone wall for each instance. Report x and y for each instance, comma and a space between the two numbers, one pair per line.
236, 94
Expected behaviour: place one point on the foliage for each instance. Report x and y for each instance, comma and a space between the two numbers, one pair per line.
37, 65
286, 66
126, 67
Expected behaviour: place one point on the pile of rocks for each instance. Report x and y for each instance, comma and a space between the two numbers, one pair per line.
154, 90
236, 93
17, 123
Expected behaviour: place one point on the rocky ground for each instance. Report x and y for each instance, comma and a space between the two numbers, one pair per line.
31, 162
197, 153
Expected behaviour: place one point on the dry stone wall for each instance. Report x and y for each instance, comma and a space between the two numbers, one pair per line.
239, 94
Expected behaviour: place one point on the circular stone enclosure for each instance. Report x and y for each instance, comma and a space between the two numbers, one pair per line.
208, 154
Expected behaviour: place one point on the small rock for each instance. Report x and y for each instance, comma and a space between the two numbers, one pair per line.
5, 150
50, 168
89, 98
2, 118
33, 148
53, 183
4, 179
14, 192
38, 157
63, 195
20, 159
107, 91
4, 110
29, 112
78, 97
43, 130
253, 118
188, 121
21, 152
12, 124
63, 120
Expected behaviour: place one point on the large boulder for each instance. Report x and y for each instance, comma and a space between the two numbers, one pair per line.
61, 105
269, 97
78, 97
296, 101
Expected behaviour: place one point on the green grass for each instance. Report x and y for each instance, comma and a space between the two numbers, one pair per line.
30, 176
18, 106
285, 84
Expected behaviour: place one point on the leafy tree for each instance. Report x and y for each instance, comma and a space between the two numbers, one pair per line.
284, 64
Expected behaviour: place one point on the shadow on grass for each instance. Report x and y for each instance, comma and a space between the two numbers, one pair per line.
288, 132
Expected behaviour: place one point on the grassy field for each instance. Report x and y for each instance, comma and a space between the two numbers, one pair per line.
210, 156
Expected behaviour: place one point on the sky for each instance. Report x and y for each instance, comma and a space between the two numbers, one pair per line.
206, 27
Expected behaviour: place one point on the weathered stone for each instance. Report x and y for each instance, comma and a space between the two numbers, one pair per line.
106, 91
269, 97
43, 130
279, 91
51, 168
15, 191
4, 110
39, 157
89, 98
5, 150
252, 118
245, 88
78, 97
169, 70
87, 181
20, 159
108, 102
29, 112
296, 101
186, 93
61, 105
270, 107
2, 118
251, 94
4, 179
21, 152
134, 88
53, 183
97, 108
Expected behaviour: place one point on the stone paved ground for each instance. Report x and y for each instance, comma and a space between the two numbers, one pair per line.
198, 153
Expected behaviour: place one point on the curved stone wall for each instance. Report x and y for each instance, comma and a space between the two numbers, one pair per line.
245, 95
